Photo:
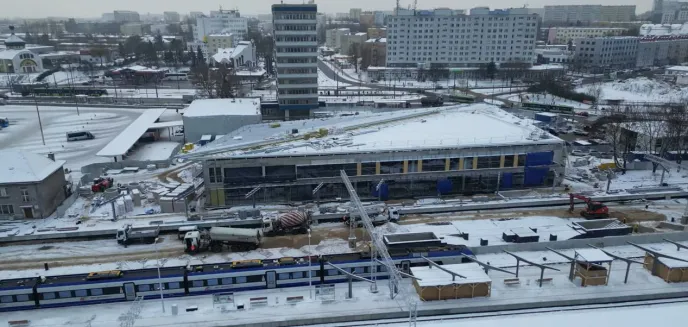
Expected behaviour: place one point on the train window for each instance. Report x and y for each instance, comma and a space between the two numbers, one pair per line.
283, 276
48, 296
227, 281
381, 268
6, 299
297, 274
173, 285
212, 282
65, 294
255, 279
143, 288
241, 280
358, 270
197, 283
157, 286
112, 290
332, 272
23, 298
316, 273
96, 291
80, 293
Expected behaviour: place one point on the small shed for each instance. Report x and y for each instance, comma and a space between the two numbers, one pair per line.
525, 235
670, 270
589, 266
436, 284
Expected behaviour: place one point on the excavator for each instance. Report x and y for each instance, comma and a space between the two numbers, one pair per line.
593, 210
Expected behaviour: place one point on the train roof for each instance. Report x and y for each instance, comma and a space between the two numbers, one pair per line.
127, 274
18, 283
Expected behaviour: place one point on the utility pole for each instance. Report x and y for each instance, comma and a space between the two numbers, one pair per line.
40, 124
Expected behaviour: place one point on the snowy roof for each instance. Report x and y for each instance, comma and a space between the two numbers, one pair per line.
450, 127
547, 67
10, 54
14, 39
671, 263
680, 68
125, 140
225, 54
378, 40
663, 29
436, 277
361, 33
223, 107
593, 255
25, 167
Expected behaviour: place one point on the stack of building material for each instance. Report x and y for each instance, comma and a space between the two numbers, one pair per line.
128, 203
166, 204
120, 209
136, 197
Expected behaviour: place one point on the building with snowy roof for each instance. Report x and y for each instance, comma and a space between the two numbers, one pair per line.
454, 150
243, 55
31, 185
457, 281
219, 116
16, 58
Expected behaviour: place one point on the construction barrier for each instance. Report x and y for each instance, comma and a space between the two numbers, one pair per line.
294, 299
258, 301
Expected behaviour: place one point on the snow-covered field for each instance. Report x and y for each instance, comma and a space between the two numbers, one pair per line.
324, 81
547, 99
161, 150
639, 89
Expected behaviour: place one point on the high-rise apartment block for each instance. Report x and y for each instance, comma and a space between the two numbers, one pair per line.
589, 13
449, 38
125, 16
296, 58
223, 21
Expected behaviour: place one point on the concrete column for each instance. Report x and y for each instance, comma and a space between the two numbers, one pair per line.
461, 162
263, 170
405, 169
420, 166
475, 162
515, 160
501, 162
359, 168
447, 164
286, 114
377, 168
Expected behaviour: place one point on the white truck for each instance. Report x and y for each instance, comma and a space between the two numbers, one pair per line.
216, 238
378, 213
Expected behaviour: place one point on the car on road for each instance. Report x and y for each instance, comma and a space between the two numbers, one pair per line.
580, 132
578, 153
594, 153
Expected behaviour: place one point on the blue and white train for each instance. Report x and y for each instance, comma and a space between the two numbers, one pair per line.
116, 286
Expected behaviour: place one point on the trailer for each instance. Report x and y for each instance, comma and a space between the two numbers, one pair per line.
127, 234
216, 238
293, 222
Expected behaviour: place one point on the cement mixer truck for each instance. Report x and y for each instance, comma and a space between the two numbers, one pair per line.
216, 238
294, 222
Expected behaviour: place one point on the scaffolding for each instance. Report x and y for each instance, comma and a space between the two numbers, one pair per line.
542, 267
379, 249
129, 319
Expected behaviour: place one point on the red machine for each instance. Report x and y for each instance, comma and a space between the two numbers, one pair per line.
101, 184
593, 210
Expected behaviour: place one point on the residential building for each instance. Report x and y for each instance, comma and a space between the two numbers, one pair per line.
195, 14
380, 18
296, 58
195, 45
31, 185
126, 16
376, 51
16, 58
341, 15
243, 55
108, 17
367, 19
159, 28
222, 21
602, 53
220, 41
562, 35
355, 13
171, 17
135, 29
673, 12
333, 37
377, 32
554, 55
441, 37
350, 41
662, 50
589, 13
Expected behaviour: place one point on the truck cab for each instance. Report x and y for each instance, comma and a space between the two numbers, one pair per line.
393, 214
192, 241
268, 225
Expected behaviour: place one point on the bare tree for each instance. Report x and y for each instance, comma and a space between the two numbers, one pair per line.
354, 55
220, 82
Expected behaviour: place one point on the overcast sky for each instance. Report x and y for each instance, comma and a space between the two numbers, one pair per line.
93, 8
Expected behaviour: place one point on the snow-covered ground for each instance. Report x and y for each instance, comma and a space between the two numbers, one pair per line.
161, 150
24, 131
324, 81
498, 90
547, 99
639, 89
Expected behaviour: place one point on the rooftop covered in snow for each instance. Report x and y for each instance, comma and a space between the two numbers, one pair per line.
430, 276
450, 127
121, 144
223, 107
24, 167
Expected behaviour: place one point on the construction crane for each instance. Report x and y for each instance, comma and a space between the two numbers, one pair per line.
593, 210
415, 5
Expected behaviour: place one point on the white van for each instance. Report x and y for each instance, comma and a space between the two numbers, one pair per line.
79, 136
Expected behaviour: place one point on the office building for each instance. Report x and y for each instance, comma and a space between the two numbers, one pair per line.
222, 21
377, 32
333, 37
296, 58
662, 50
135, 29
445, 38
589, 13
125, 16
171, 17
376, 50
367, 19
351, 42
562, 35
606, 53
663, 29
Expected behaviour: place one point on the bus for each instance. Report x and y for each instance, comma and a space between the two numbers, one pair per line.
547, 107
176, 77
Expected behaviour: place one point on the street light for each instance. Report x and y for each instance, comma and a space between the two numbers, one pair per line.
310, 272
162, 299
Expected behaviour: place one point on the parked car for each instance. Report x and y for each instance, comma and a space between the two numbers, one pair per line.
580, 132
577, 153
